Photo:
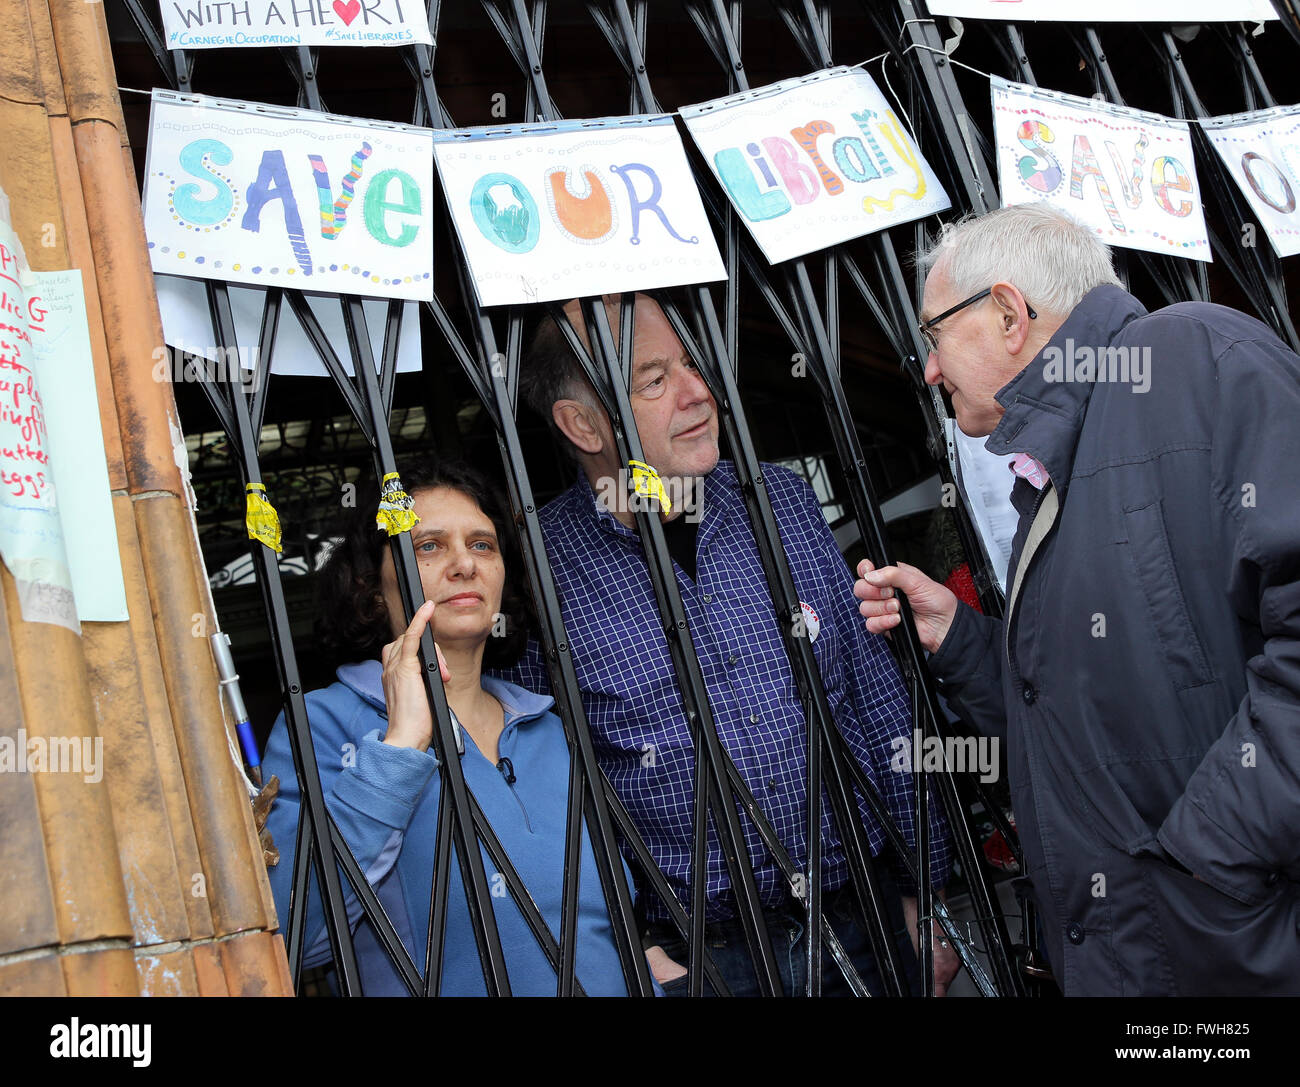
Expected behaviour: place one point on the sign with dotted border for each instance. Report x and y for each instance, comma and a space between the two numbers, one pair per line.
289, 198
1107, 165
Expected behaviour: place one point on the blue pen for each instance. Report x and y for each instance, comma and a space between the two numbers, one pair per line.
230, 684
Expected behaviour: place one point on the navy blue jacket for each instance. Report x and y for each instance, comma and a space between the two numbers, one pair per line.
1150, 691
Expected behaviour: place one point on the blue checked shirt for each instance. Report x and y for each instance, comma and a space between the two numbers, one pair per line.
635, 709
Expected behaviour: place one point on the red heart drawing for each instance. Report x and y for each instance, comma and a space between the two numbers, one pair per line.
349, 11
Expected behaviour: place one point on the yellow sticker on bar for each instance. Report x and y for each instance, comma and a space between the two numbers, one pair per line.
260, 517
646, 481
396, 507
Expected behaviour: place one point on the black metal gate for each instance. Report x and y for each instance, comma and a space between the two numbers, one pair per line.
811, 300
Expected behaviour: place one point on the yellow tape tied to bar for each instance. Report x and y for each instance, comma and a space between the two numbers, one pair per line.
260, 517
396, 507
646, 481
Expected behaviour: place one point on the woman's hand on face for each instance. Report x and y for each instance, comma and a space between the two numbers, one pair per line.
410, 724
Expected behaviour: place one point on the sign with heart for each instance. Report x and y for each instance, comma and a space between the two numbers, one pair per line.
220, 24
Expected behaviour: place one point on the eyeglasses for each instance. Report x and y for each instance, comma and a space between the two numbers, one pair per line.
926, 327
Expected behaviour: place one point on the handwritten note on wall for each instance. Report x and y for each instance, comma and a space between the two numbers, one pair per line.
31, 535
65, 371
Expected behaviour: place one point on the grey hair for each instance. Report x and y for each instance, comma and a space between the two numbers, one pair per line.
552, 372
1052, 258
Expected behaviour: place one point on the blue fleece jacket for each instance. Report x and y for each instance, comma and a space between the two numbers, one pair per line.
385, 802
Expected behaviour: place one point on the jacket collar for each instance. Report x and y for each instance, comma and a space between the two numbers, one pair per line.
1043, 417
366, 679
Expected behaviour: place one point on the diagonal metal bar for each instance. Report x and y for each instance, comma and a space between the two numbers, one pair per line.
445, 740
325, 350
266, 338
244, 441
555, 646
871, 523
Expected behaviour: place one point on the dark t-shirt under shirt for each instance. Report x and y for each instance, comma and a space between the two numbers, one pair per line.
680, 535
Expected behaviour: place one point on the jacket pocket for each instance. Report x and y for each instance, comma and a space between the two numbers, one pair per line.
1153, 559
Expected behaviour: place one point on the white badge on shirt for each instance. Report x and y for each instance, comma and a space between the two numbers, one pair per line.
810, 621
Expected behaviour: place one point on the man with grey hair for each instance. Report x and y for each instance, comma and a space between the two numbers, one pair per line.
630, 685
1147, 671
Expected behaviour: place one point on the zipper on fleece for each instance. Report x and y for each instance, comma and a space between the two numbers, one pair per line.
507, 770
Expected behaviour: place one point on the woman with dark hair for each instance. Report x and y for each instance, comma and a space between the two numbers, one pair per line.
372, 731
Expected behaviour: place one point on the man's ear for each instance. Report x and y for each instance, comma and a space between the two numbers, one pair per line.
1013, 316
574, 418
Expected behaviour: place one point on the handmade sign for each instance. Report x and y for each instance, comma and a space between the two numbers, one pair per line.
212, 24
1127, 174
557, 211
1262, 152
65, 373
1109, 11
257, 194
31, 534
814, 161
187, 331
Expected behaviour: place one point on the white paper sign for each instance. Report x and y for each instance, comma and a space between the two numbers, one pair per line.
986, 482
1262, 152
187, 329
212, 24
283, 197
31, 534
557, 211
814, 161
1128, 175
1109, 11
65, 369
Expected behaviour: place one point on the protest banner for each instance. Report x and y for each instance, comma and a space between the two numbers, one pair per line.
814, 161
257, 194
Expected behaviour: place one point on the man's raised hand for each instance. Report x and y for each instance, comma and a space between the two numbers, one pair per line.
933, 605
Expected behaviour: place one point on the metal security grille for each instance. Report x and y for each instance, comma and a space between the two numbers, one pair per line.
812, 301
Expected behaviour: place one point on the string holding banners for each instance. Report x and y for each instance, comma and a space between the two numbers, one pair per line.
1128, 175
256, 194
814, 161
553, 211
1109, 11
217, 24
1262, 152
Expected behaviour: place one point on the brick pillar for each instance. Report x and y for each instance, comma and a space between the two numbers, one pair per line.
150, 880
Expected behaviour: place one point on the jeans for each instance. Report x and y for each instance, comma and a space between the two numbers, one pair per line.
787, 926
